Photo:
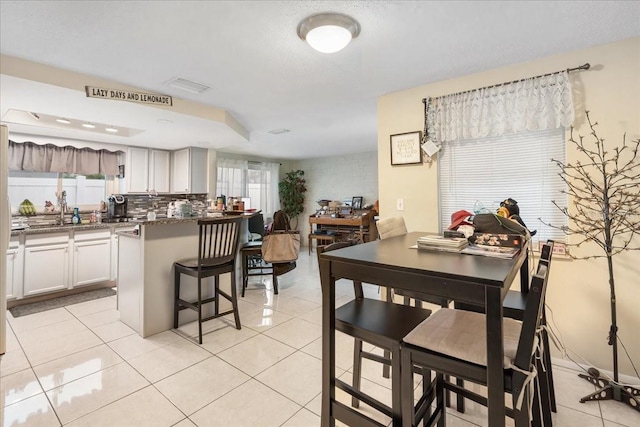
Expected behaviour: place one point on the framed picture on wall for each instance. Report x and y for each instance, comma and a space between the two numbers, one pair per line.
405, 148
356, 202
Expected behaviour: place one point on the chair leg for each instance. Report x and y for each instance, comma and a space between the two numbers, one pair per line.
216, 295
440, 400
396, 384
245, 271
234, 300
521, 417
459, 398
386, 368
357, 370
544, 394
275, 283
176, 304
200, 309
406, 372
547, 364
426, 384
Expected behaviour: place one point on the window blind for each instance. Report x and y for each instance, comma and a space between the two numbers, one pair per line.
480, 173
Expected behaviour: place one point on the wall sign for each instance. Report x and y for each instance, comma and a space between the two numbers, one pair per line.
126, 95
405, 148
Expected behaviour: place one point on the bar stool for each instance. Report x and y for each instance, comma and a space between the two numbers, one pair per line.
254, 265
217, 248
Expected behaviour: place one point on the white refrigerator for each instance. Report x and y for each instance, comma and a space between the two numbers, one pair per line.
5, 233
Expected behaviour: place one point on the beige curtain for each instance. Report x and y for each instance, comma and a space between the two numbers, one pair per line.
51, 158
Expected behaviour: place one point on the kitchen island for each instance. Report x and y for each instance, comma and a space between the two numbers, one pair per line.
146, 274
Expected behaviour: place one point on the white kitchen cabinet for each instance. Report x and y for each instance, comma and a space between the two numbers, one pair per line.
46, 263
136, 172
91, 257
159, 167
189, 170
15, 256
147, 170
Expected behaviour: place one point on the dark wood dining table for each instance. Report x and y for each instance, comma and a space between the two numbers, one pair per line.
478, 280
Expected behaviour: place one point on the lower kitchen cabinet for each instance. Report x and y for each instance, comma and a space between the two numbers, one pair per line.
46, 264
41, 263
91, 258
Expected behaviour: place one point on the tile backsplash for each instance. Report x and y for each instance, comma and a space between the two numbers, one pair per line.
138, 205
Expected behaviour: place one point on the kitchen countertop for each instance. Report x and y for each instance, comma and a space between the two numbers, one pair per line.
161, 221
40, 229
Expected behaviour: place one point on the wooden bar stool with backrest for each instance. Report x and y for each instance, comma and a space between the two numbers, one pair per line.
217, 248
453, 342
251, 255
382, 324
513, 306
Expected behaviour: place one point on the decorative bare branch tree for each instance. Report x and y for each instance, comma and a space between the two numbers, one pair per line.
605, 192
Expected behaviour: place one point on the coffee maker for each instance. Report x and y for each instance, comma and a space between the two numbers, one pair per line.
117, 208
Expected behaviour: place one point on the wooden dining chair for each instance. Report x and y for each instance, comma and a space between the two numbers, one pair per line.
453, 342
251, 255
382, 324
513, 307
217, 248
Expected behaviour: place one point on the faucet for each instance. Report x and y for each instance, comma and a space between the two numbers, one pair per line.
62, 202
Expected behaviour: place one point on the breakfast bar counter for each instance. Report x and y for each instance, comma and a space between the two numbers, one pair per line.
146, 275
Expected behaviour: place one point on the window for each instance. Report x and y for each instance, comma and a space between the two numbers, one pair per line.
256, 181
485, 171
82, 191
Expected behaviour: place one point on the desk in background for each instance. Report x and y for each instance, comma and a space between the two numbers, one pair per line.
360, 227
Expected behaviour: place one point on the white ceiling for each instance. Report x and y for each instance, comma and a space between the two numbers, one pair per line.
260, 72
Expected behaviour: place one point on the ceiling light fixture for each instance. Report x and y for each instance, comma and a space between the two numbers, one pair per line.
63, 121
88, 126
112, 130
328, 32
34, 115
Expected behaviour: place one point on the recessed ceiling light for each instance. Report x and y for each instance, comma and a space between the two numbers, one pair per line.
63, 121
278, 131
112, 130
88, 125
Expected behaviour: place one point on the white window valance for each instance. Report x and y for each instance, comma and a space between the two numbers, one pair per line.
538, 103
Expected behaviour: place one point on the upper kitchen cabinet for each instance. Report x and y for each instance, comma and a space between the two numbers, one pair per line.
189, 170
159, 167
147, 170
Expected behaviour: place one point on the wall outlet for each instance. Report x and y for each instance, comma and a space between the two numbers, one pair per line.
400, 204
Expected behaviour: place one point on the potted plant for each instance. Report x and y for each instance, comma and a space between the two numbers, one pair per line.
292, 189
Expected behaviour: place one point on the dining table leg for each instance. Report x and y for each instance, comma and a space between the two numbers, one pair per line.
328, 342
495, 356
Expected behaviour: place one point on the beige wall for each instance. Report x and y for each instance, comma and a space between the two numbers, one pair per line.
337, 178
578, 296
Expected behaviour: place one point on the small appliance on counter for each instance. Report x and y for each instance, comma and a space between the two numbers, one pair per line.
117, 209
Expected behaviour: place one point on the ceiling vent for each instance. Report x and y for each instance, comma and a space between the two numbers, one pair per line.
279, 131
188, 85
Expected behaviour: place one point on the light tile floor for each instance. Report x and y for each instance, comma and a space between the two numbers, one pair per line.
80, 366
